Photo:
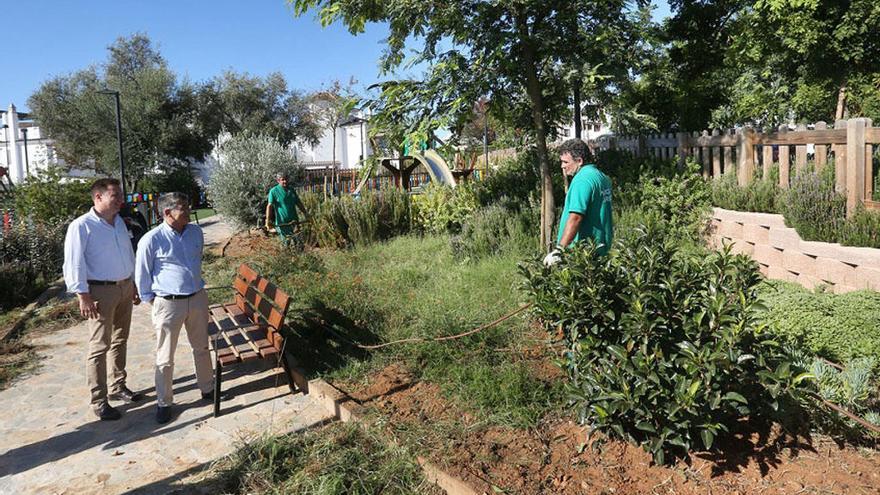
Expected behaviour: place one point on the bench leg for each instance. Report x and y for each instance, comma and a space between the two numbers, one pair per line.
288, 373
218, 373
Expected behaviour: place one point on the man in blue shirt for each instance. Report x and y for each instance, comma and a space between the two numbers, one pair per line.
168, 273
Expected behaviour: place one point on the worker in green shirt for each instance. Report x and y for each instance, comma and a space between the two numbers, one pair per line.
282, 204
587, 213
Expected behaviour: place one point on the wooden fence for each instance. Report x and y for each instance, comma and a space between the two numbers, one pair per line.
849, 145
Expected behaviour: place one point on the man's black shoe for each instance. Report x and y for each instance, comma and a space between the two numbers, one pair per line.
163, 414
126, 395
209, 396
107, 413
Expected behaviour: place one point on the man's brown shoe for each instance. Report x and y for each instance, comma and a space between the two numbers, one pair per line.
107, 413
126, 395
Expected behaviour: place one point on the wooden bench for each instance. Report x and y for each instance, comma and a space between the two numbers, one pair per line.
249, 328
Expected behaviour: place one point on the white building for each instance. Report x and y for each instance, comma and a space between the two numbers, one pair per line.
352, 146
590, 129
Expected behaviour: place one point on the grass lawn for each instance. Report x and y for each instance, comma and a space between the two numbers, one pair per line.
203, 213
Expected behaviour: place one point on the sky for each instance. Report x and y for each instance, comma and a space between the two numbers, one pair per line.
199, 39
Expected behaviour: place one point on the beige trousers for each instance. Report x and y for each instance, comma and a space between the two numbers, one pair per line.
108, 339
168, 316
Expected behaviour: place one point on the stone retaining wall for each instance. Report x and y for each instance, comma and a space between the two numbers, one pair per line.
783, 255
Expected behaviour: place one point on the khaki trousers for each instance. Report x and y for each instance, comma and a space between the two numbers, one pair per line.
168, 316
108, 339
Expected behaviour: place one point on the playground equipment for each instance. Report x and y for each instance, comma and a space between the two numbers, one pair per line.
402, 168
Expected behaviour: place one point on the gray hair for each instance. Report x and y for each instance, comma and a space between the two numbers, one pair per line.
282, 175
169, 201
577, 148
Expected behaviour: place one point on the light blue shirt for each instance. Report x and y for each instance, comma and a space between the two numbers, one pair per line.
168, 263
96, 250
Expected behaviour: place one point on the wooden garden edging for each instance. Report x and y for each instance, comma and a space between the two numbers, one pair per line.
347, 409
849, 143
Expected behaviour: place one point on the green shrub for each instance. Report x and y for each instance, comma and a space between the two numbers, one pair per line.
680, 203
495, 229
862, 229
812, 206
50, 197
440, 209
344, 221
759, 195
515, 182
663, 347
839, 327
31, 255
240, 183
174, 176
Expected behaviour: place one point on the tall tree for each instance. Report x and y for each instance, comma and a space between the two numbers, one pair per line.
160, 118
507, 50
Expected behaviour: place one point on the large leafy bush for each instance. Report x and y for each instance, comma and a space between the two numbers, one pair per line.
345, 221
240, 182
493, 230
174, 176
680, 202
31, 255
663, 347
50, 197
440, 209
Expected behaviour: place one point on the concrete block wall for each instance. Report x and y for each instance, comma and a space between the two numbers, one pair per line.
782, 254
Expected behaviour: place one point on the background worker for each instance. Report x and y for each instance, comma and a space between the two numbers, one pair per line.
282, 204
98, 268
587, 213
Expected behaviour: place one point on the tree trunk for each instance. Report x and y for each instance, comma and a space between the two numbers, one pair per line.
333, 166
578, 125
841, 102
533, 88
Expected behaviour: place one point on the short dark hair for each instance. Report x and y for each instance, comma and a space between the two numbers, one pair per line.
577, 148
101, 185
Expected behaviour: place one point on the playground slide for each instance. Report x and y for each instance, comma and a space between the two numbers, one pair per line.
436, 166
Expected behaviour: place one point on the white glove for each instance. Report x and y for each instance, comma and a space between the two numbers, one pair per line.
552, 258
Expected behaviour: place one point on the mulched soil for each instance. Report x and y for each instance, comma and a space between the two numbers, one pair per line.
248, 242
554, 458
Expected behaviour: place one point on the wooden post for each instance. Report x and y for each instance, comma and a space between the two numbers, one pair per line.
869, 165
746, 164
695, 147
784, 166
640, 145
766, 160
855, 164
840, 161
800, 152
728, 166
821, 149
682, 148
716, 156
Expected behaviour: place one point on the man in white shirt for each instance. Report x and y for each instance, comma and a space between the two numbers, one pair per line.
98, 268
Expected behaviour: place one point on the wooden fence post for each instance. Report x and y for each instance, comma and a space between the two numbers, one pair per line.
855, 164
869, 165
840, 160
716, 156
766, 159
784, 157
682, 148
821, 149
800, 152
746, 155
728, 166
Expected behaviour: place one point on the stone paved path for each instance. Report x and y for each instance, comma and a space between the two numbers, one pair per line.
50, 442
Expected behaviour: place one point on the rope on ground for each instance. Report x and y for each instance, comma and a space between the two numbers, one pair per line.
447, 337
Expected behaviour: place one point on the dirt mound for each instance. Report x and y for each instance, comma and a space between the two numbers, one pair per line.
557, 457
248, 242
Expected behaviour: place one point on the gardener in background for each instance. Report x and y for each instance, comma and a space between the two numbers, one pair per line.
283, 202
98, 268
587, 213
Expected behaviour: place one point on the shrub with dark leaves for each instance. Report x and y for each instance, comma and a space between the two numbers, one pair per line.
663, 346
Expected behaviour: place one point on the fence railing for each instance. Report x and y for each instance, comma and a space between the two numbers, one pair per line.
849, 144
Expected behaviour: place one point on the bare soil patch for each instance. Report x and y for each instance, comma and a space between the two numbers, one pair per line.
248, 242
557, 458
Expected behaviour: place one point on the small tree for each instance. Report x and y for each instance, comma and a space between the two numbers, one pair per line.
244, 175
330, 107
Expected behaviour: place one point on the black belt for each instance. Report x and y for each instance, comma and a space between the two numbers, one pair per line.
178, 296
108, 282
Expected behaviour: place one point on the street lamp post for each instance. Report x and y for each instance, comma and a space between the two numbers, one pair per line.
118, 136
27, 166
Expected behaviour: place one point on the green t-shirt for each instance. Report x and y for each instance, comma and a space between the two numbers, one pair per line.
589, 194
283, 201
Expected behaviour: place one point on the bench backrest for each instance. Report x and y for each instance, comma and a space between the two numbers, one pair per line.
262, 301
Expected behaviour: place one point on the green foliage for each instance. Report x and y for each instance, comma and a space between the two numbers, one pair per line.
174, 177
813, 207
440, 209
342, 458
515, 182
347, 221
49, 197
759, 195
31, 255
861, 229
240, 183
680, 203
493, 230
663, 347
839, 327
